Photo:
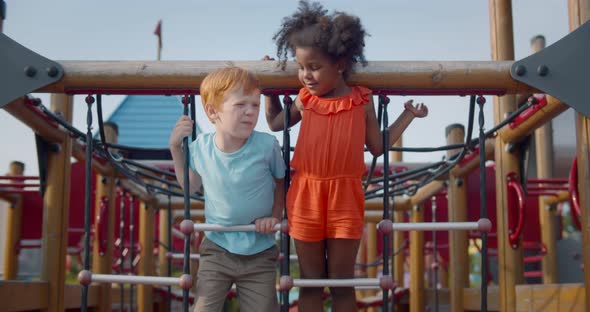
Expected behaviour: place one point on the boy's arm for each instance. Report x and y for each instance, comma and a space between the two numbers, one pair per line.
178, 160
279, 201
182, 129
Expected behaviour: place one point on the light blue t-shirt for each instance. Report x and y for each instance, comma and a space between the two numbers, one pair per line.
239, 187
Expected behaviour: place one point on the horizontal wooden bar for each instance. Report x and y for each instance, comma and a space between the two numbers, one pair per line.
550, 297
38, 124
553, 108
464, 169
472, 299
560, 198
408, 77
73, 296
24, 295
427, 192
399, 203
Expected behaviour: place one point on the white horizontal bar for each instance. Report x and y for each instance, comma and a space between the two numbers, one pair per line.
133, 279
435, 226
349, 282
181, 256
233, 228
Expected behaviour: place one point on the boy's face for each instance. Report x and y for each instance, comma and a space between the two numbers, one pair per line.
237, 115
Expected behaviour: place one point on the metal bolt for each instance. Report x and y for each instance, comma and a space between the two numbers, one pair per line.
30, 71
459, 182
520, 70
542, 70
52, 71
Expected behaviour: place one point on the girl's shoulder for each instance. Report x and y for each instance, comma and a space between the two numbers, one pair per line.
326, 106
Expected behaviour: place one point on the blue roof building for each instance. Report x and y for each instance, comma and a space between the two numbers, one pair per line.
146, 121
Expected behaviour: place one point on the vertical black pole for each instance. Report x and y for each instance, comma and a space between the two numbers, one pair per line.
87, 203
187, 216
483, 206
383, 101
285, 238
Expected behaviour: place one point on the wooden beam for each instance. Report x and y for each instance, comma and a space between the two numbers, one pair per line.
399, 259
464, 169
417, 303
24, 295
427, 192
553, 109
56, 211
399, 204
544, 151
102, 252
38, 124
73, 298
579, 13
410, 77
561, 197
146, 263
472, 299
140, 193
13, 226
551, 297
79, 152
457, 212
510, 260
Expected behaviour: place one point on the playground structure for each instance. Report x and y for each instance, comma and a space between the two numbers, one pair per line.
57, 231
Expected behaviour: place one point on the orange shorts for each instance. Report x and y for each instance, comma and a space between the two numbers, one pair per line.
325, 208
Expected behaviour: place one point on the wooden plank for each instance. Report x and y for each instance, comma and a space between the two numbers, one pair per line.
550, 297
472, 299
579, 13
544, 156
457, 202
35, 121
400, 75
56, 211
73, 296
13, 226
24, 295
417, 264
146, 263
102, 261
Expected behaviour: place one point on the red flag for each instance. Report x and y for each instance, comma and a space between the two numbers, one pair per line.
158, 32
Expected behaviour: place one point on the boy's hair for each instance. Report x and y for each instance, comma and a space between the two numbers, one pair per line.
218, 83
338, 35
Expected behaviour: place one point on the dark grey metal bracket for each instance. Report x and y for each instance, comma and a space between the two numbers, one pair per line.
561, 70
23, 70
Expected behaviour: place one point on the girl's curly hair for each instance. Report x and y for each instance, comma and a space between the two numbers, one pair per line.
338, 35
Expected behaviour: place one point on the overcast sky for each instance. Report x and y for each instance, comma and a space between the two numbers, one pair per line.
242, 30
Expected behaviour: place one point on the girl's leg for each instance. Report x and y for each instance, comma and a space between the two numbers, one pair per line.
312, 264
341, 261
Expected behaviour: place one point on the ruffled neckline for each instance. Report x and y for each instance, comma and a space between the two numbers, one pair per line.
329, 106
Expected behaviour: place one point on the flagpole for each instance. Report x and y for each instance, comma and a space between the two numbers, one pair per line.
158, 32
2, 13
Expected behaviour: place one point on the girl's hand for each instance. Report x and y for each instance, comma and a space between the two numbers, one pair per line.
266, 225
419, 111
183, 128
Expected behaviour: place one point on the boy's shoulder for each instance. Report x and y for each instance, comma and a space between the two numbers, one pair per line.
263, 139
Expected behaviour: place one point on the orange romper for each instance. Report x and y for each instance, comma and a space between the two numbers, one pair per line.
326, 198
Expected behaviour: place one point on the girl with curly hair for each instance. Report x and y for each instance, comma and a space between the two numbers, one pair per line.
325, 202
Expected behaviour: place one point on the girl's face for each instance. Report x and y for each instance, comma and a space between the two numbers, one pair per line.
319, 74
